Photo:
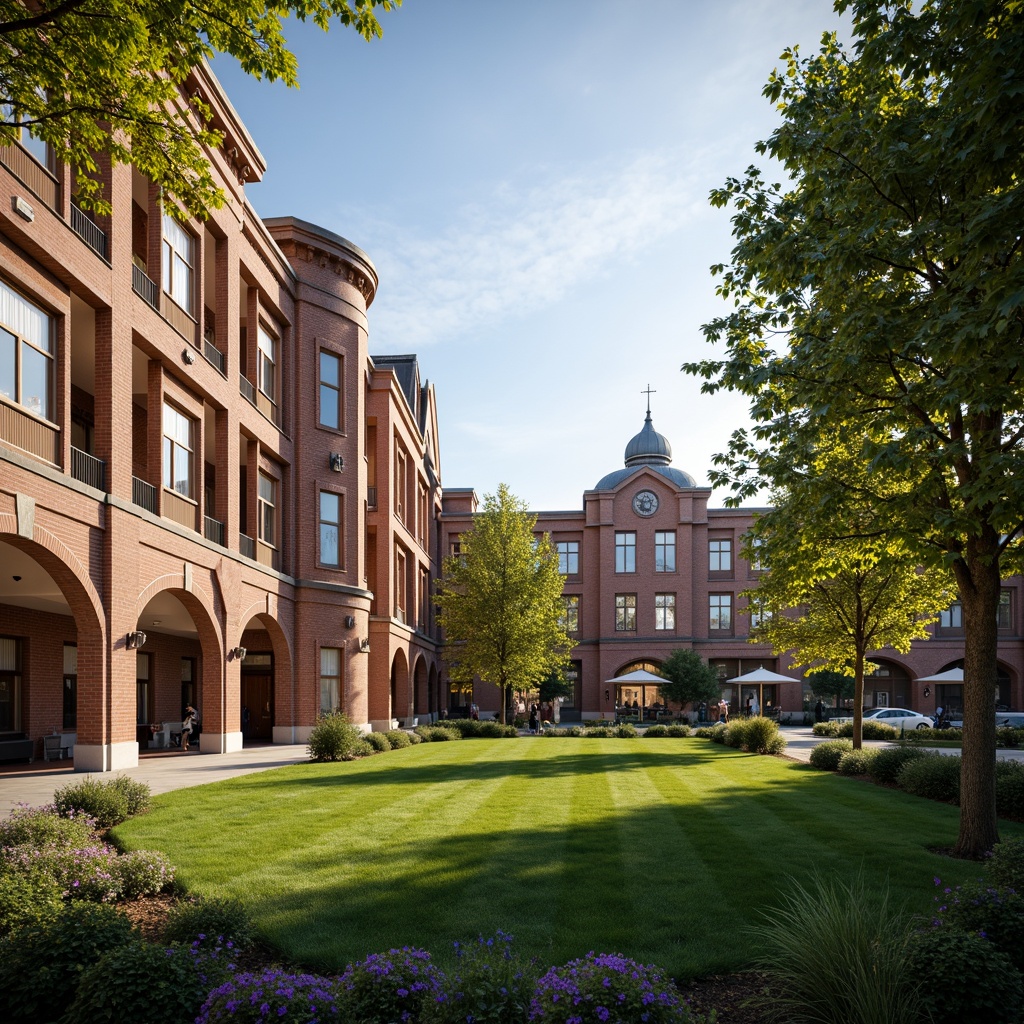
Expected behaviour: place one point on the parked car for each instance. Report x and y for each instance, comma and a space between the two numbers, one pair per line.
898, 718
1004, 719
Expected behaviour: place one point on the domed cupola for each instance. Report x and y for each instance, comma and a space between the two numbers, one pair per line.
648, 448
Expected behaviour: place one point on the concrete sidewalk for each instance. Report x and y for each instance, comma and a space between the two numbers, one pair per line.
35, 783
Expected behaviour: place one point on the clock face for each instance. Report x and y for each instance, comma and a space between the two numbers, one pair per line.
645, 503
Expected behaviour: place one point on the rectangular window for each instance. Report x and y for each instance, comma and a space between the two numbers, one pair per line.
625, 612
720, 556
267, 365
720, 608
70, 708
757, 562
758, 614
178, 259
330, 679
330, 528
400, 458
400, 585
952, 617
665, 551
625, 552
570, 617
665, 611
1004, 614
10, 684
143, 689
568, 557
26, 354
267, 509
177, 451
330, 390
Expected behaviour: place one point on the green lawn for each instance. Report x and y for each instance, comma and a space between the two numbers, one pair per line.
662, 849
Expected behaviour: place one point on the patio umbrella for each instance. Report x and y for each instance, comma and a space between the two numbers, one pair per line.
951, 675
760, 676
639, 678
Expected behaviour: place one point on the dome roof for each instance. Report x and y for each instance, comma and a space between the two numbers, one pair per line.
647, 450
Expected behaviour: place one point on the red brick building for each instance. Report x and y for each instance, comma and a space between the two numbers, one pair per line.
650, 568
199, 462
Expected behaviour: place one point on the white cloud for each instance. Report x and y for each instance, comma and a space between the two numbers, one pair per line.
524, 249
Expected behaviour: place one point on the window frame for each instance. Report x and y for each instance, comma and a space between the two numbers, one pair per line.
724, 603
664, 611
625, 613
569, 558
267, 507
336, 523
625, 551
171, 256
570, 616
664, 550
723, 553
325, 398
16, 306
952, 618
267, 347
332, 680
1004, 610
171, 444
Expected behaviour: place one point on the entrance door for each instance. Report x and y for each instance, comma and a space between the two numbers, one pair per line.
258, 697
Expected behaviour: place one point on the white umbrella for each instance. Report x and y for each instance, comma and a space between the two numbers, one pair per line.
640, 678
951, 675
759, 676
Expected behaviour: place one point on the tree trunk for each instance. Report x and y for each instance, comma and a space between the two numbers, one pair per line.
979, 583
858, 699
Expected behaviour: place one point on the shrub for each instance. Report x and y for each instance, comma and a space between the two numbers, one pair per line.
836, 952
704, 732
599, 732
761, 736
826, 729
414, 738
656, 732
397, 739
569, 730
963, 979
333, 738
26, 899
210, 920
488, 984
930, 735
438, 733
888, 762
736, 733
855, 762
1006, 864
877, 731
626, 731
105, 802
378, 741
272, 995
606, 987
1009, 737
719, 732
934, 776
88, 872
40, 962
145, 982
825, 756
678, 731
991, 912
1010, 789
362, 748
44, 826
143, 873
392, 986
135, 793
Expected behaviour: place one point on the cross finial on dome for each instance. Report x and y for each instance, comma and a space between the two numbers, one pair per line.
648, 393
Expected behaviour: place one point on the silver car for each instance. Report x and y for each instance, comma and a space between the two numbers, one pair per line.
898, 718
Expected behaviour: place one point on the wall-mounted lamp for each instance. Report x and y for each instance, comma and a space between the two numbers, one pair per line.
927, 691
350, 622
364, 645
337, 462
188, 357
238, 653
134, 640
607, 695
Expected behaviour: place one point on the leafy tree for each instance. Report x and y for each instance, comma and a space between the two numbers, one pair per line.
95, 77
881, 288
555, 685
688, 678
501, 600
826, 683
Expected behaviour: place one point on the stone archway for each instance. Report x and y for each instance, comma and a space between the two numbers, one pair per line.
400, 693
264, 692
419, 687
433, 701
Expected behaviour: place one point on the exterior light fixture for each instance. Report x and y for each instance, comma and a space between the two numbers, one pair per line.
337, 462
188, 356
134, 640
927, 691
364, 645
238, 653
350, 621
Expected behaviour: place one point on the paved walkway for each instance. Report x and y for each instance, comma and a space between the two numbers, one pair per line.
35, 783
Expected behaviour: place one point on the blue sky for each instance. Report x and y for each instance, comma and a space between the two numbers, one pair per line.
531, 182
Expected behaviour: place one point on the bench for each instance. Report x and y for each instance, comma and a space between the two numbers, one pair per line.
17, 748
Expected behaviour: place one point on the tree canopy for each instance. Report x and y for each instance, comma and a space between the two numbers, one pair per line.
501, 600
880, 286
94, 77
833, 685
689, 679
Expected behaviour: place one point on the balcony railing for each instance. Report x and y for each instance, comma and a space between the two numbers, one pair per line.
213, 355
213, 529
247, 546
87, 469
143, 495
371, 497
246, 388
144, 287
93, 236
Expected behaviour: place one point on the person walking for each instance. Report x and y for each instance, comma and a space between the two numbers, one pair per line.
819, 711
187, 724
533, 718
723, 711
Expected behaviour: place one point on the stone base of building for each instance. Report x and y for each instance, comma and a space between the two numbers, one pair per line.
292, 733
219, 742
382, 725
106, 757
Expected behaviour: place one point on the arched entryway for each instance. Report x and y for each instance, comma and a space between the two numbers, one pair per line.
433, 706
889, 686
951, 695
399, 690
420, 697
265, 699
54, 670
637, 696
